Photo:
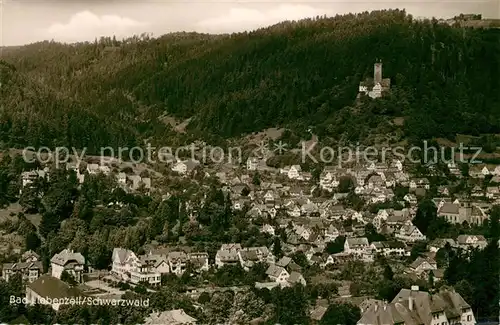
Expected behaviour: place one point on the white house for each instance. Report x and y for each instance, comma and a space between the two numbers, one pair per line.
356, 246
277, 274
184, 167
410, 233
227, 255
294, 172
472, 241
421, 265
124, 261
68, 261
252, 163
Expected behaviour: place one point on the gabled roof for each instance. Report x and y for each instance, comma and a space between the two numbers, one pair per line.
354, 242
284, 261
446, 301
274, 270
23, 266
50, 287
67, 256
121, 255
450, 208
295, 277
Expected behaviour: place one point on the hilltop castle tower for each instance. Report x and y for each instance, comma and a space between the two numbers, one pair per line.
377, 72
374, 88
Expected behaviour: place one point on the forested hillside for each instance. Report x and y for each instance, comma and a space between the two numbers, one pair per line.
445, 80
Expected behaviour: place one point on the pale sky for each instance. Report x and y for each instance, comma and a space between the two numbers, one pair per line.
26, 21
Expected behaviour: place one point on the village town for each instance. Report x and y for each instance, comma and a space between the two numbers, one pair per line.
329, 229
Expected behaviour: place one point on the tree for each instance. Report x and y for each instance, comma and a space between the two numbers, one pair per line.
345, 314
277, 252
204, 298
372, 235
99, 254
291, 305
417, 250
30, 199
336, 246
50, 223
388, 273
426, 214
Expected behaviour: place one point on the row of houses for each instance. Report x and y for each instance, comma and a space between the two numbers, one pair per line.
129, 182
30, 267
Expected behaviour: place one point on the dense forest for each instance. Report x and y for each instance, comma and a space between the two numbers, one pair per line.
300, 74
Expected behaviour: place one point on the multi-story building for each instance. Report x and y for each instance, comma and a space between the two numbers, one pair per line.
414, 307
70, 262
228, 255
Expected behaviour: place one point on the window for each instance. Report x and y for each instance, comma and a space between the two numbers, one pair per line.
469, 318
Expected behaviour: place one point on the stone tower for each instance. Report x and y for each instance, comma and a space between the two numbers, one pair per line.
377, 73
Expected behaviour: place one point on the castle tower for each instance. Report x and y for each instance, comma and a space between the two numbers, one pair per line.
377, 73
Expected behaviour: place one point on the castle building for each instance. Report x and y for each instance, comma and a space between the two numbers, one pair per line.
376, 86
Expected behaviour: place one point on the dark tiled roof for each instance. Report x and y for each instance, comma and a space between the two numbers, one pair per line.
50, 287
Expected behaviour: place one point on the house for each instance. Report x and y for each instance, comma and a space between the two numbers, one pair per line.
250, 256
437, 274
93, 169
492, 192
389, 248
136, 182
277, 274
410, 198
410, 233
50, 290
227, 255
104, 169
121, 178
157, 263
420, 308
471, 241
177, 262
421, 265
328, 179
29, 271
268, 229
331, 233
68, 261
145, 272
171, 317
420, 183
296, 278
288, 264
439, 243
30, 256
256, 164
317, 313
29, 177
185, 167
